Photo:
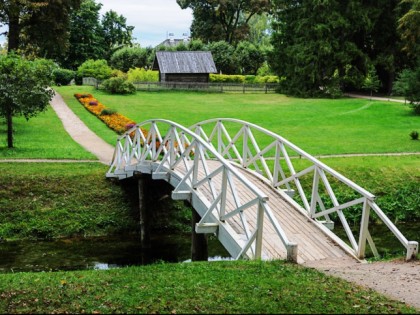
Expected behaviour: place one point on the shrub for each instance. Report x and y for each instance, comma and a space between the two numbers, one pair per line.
97, 69
414, 135
129, 57
142, 75
118, 85
108, 111
63, 76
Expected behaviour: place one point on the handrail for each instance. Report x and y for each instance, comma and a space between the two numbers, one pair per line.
241, 147
181, 153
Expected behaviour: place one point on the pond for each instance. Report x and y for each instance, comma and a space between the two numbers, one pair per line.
99, 253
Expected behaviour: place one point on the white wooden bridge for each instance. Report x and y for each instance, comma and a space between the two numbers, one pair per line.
262, 196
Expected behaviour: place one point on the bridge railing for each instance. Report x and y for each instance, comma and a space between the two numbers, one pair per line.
290, 169
176, 154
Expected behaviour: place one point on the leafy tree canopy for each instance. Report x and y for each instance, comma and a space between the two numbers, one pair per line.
215, 20
37, 26
24, 88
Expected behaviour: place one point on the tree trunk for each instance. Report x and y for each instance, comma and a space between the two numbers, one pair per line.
14, 30
9, 119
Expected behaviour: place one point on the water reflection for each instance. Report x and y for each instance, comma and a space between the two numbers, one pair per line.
98, 253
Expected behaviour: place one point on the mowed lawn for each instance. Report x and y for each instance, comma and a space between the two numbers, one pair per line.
41, 137
318, 126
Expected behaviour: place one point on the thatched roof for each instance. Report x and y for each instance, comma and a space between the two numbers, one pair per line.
184, 62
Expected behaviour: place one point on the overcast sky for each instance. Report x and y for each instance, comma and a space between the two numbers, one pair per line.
153, 20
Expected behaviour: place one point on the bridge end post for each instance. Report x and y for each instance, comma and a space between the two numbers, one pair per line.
292, 251
412, 250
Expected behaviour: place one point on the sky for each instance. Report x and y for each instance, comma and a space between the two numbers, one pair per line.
153, 20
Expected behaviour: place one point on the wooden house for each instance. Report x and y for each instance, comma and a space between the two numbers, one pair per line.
184, 66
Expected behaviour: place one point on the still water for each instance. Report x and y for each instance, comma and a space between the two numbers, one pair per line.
115, 252
99, 253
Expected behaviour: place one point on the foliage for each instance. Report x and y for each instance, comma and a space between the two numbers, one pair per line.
223, 56
248, 57
371, 82
226, 287
36, 27
86, 40
118, 85
235, 78
115, 32
25, 88
128, 58
408, 85
409, 28
63, 76
313, 40
142, 75
97, 69
223, 20
414, 135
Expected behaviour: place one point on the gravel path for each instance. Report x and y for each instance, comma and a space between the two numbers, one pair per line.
80, 132
397, 279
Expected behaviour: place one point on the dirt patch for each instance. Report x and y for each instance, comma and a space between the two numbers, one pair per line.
397, 279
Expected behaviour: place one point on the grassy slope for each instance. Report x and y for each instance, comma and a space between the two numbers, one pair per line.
319, 126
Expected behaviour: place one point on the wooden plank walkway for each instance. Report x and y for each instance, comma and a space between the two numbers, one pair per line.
313, 243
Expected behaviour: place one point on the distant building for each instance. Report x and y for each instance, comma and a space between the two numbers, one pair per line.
171, 41
184, 66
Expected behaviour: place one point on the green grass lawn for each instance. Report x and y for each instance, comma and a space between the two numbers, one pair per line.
55, 200
241, 287
42, 137
318, 126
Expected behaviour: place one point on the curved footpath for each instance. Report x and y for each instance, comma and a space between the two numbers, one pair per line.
80, 132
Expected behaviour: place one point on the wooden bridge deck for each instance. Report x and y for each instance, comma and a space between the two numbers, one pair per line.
313, 243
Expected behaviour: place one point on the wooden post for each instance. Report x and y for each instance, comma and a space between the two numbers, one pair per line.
199, 248
144, 218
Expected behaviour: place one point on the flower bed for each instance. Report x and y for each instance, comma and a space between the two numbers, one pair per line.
113, 120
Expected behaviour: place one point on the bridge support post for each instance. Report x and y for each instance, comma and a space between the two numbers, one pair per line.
199, 245
144, 217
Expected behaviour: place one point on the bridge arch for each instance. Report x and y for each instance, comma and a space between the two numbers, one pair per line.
217, 165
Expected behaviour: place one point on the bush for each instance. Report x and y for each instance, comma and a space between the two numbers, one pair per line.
414, 135
142, 75
118, 85
107, 111
130, 57
63, 76
97, 69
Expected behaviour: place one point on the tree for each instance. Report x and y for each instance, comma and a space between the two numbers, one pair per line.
42, 24
215, 20
25, 88
127, 58
86, 37
249, 57
116, 33
314, 40
409, 28
371, 82
223, 56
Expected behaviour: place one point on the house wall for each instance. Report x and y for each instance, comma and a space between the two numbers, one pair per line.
185, 77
